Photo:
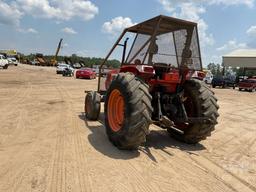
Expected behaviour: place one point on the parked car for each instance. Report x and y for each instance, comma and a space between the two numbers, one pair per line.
241, 78
34, 62
223, 82
3, 62
61, 67
86, 73
68, 71
248, 85
208, 78
12, 61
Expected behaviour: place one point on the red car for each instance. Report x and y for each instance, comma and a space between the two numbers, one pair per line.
247, 84
85, 73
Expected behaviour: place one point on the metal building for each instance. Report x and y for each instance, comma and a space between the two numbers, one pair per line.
244, 58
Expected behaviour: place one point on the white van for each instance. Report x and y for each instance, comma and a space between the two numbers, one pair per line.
12, 61
3, 62
208, 77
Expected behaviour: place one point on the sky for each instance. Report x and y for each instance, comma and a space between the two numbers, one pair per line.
89, 28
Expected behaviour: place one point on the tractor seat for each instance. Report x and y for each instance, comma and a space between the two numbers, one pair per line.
137, 62
161, 68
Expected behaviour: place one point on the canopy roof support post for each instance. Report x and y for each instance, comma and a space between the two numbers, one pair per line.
110, 52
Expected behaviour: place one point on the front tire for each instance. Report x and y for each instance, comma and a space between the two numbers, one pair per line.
127, 111
92, 105
203, 103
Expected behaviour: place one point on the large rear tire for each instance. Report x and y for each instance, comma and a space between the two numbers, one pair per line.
127, 111
203, 104
92, 105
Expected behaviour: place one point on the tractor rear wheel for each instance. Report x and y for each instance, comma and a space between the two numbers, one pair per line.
92, 105
127, 111
200, 102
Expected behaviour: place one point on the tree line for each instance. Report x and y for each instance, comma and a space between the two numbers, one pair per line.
88, 61
217, 70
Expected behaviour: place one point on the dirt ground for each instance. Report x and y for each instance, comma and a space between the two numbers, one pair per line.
47, 145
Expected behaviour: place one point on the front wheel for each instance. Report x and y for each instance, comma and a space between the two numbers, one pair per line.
199, 102
92, 105
127, 111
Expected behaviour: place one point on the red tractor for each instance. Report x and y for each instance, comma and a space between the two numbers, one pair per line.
155, 85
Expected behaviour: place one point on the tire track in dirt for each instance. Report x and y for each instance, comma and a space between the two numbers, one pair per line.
82, 163
231, 157
235, 136
57, 179
183, 166
128, 170
226, 176
242, 148
218, 145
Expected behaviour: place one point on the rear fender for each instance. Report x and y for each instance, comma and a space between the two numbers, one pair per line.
143, 71
110, 75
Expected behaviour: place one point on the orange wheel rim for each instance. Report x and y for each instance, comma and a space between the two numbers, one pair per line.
115, 110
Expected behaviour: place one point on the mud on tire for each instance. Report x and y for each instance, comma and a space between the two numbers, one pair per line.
137, 111
205, 105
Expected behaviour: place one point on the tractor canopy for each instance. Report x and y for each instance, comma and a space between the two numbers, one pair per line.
163, 40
